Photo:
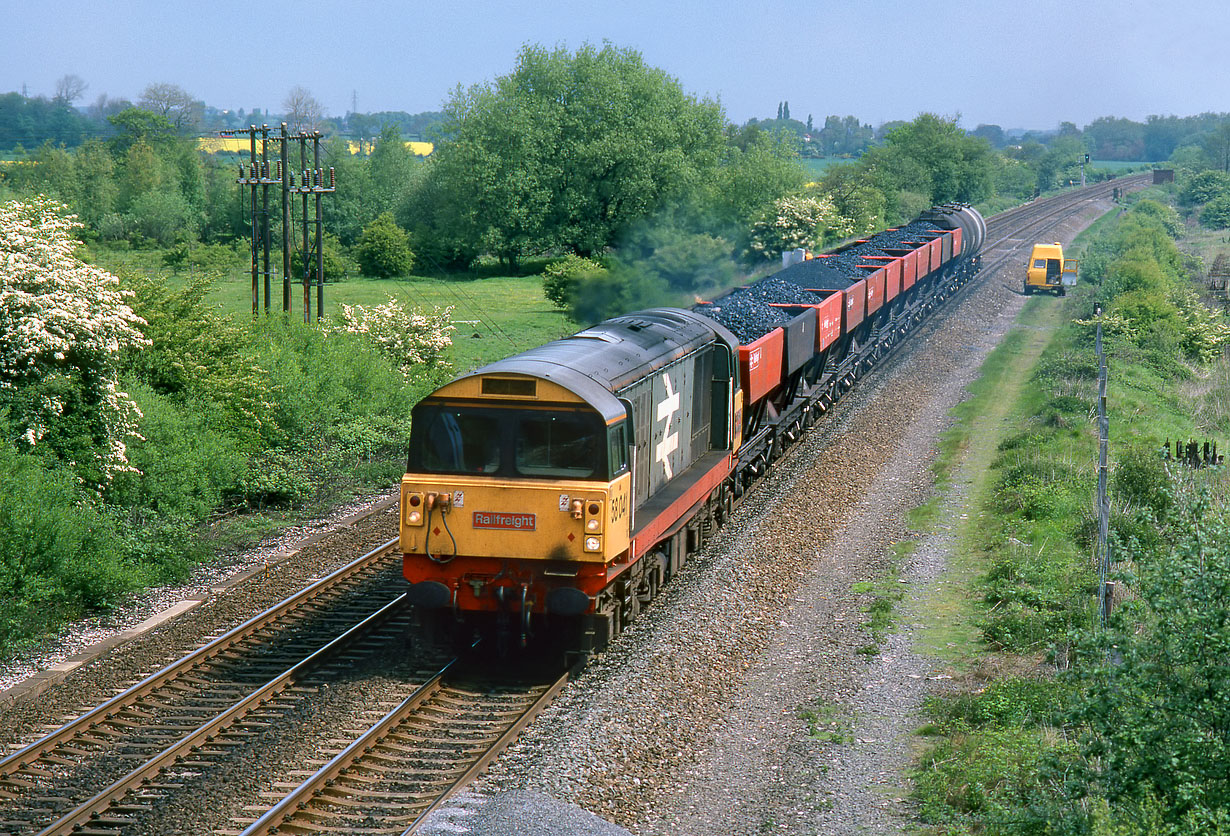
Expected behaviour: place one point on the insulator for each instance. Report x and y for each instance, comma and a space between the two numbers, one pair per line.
332, 179
278, 166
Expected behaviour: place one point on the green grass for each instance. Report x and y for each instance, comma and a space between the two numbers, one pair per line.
495, 315
827, 722
817, 166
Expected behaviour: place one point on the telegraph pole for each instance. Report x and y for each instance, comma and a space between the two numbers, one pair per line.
313, 181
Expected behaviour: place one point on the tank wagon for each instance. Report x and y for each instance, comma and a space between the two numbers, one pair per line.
551, 494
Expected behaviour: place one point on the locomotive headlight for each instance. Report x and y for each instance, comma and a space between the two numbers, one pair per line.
414, 509
593, 544
593, 516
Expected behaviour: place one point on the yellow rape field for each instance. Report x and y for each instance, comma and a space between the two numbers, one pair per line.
241, 145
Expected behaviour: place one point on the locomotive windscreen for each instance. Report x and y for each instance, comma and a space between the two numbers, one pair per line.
534, 443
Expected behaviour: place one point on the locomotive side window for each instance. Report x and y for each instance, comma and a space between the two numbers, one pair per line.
617, 450
461, 442
558, 445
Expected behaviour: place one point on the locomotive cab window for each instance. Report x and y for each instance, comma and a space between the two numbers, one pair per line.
535, 443
558, 444
460, 442
617, 449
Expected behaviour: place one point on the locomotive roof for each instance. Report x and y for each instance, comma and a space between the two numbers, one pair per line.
597, 363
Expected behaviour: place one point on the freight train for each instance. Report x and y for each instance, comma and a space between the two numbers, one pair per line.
550, 495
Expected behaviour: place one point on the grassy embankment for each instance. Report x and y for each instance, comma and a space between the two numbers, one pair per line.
1019, 470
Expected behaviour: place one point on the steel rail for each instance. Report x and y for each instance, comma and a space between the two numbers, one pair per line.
125, 700
206, 733
280, 817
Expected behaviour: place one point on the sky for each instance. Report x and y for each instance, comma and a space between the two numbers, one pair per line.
1013, 63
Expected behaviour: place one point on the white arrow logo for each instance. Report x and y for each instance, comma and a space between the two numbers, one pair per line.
670, 441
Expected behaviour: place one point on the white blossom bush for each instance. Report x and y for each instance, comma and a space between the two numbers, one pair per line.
63, 324
411, 338
796, 221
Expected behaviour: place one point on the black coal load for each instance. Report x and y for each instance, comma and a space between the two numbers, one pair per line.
845, 262
896, 238
779, 291
823, 273
747, 317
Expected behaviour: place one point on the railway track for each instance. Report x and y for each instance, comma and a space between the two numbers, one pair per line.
434, 742
93, 769
125, 766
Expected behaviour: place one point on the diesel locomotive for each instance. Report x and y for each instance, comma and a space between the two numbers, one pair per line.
550, 495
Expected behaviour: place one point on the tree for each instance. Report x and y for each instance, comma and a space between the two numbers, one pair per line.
304, 113
567, 150
1111, 138
390, 170
933, 157
752, 176
135, 125
69, 88
1217, 145
384, 249
993, 134
62, 326
175, 104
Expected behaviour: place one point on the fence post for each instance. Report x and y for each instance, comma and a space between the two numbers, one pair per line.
1102, 552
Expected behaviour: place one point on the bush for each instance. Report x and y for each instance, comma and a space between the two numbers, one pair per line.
337, 264
163, 217
1203, 187
59, 557
1152, 685
559, 278
1216, 214
384, 249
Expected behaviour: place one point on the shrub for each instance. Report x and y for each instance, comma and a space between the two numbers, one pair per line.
337, 264
1153, 683
163, 217
1203, 187
62, 326
59, 556
796, 221
1216, 214
412, 339
384, 249
559, 278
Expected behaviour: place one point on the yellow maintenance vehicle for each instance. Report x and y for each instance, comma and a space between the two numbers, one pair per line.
1049, 270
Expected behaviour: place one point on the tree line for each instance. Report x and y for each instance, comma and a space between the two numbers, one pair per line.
590, 153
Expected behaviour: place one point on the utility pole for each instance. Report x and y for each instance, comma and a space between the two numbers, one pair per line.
312, 181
